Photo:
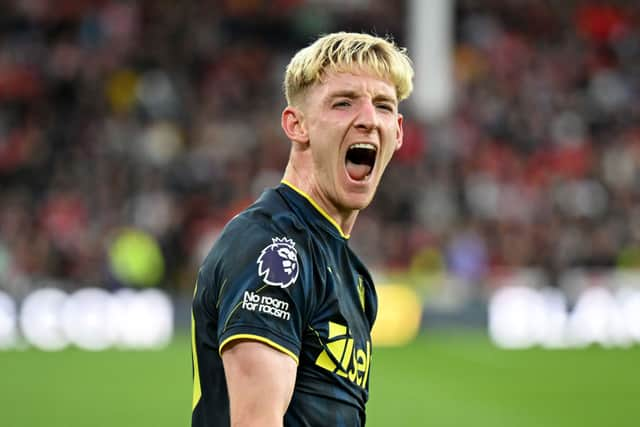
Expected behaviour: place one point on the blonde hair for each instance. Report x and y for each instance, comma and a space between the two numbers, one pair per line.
343, 52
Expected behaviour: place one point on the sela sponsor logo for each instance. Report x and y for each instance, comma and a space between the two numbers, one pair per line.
265, 304
278, 263
341, 357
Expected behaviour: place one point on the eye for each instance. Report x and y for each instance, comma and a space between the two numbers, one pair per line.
341, 104
386, 107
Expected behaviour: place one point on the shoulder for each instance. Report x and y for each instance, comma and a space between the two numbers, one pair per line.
268, 215
268, 227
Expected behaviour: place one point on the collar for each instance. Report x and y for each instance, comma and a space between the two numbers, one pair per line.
325, 217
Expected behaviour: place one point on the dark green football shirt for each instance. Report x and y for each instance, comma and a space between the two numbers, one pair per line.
282, 273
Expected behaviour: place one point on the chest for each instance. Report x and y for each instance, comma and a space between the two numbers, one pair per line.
349, 294
340, 338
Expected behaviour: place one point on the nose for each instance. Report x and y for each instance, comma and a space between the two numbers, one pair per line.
367, 118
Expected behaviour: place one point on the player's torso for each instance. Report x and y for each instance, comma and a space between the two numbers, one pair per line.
332, 287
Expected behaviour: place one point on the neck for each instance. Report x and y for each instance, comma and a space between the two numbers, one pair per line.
302, 181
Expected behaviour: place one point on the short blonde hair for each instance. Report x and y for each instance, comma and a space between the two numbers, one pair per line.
343, 52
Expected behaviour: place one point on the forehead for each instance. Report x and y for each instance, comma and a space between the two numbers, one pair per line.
359, 83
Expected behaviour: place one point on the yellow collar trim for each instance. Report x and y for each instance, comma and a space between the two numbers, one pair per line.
318, 208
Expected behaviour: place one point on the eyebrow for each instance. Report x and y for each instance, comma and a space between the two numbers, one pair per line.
343, 94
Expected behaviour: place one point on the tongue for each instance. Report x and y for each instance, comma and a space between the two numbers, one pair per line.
356, 171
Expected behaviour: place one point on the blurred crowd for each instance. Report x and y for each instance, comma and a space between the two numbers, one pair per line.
152, 123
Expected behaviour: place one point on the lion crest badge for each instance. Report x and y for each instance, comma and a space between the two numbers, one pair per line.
278, 263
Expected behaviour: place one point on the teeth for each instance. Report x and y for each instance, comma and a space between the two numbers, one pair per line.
364, 145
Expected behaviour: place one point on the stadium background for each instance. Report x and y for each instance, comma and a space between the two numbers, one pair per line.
130, 132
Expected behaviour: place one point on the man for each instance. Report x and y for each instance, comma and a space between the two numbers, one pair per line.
283, 309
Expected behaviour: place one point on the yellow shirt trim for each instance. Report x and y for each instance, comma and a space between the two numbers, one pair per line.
260, 339
318, 208
197, 390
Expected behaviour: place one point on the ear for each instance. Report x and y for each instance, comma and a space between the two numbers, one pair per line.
399, 132
292, 122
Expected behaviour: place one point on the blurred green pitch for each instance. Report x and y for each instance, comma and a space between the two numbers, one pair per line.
443, 379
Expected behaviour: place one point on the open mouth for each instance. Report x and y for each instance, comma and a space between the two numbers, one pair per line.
360, 160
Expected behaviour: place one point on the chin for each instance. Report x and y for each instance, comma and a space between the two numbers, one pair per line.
357, 202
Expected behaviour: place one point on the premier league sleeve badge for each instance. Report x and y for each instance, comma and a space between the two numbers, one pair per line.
278, 263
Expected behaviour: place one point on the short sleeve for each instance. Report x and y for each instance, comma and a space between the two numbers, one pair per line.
263, 294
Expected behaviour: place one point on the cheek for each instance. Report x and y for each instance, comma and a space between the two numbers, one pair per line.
326, 139
389, 150
321, 130
391, 145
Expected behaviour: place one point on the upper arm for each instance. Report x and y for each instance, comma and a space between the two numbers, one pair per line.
260, 382
265, 292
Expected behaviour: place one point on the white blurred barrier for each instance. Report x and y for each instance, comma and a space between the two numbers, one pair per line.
90, 318
524, 316
8, 333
